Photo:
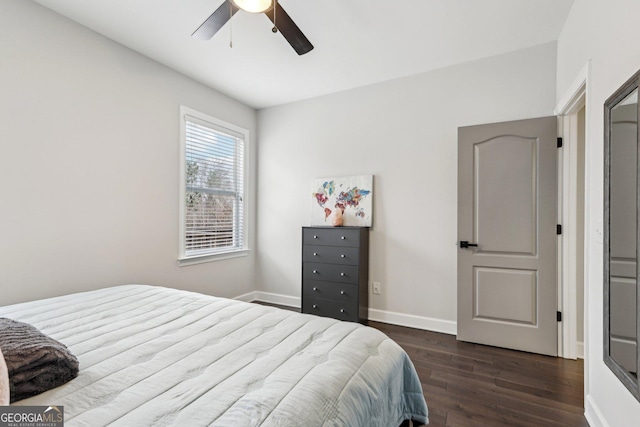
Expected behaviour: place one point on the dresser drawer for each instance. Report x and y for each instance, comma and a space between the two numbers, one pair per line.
330, 254
331, 236
330, 308
345, 292
330, 272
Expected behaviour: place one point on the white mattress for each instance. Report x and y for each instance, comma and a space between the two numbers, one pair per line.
152, 356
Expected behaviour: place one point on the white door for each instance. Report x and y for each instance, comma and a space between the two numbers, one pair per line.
507, 206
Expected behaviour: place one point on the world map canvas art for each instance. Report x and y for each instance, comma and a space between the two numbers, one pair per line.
353, 195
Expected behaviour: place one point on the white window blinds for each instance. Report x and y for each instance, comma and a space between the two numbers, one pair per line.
213, 183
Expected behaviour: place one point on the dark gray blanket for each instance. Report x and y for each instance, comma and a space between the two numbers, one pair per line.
36, 362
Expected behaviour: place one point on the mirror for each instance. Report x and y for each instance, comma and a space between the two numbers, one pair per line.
621, 299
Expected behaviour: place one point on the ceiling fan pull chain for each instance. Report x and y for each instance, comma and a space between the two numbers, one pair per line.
275, 13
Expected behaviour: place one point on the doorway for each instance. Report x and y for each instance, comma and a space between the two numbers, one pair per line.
571, 298
570, 290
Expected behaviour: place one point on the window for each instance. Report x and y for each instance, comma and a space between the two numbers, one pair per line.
212, 211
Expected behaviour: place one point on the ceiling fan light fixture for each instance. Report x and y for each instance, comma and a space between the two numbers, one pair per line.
253, 6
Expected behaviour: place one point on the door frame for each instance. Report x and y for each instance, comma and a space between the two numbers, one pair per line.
567, 111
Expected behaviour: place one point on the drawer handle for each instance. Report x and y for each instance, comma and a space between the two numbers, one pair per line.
315, 254
342, 310
342, 237
342, 256
315, 237
314, 306
315, 271
342, 274
341, 292
315, 289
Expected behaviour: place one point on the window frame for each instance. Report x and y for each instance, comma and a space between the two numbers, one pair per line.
218, 254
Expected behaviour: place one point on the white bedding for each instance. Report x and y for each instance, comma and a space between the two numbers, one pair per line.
158, 356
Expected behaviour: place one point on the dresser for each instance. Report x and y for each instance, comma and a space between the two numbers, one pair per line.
335, 272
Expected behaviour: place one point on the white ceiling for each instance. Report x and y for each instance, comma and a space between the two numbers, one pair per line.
357, 42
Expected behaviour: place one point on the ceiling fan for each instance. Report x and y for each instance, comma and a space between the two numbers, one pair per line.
281, 20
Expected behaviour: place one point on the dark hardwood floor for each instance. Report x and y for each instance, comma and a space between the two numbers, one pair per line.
480, 386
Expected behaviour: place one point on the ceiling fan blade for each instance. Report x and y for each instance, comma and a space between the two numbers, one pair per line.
216, 21
289, 30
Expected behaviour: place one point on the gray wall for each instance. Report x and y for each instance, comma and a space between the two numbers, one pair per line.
89, 163
405, 133
604, 36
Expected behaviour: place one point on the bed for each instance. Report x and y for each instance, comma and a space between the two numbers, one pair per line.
153, 356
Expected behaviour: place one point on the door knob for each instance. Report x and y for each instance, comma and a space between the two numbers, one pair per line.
464, 244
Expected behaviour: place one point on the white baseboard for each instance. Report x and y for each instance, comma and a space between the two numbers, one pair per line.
400, 319
248, 297
592, 413
280, 299
413, 321
271, 298
384, 316
580, 350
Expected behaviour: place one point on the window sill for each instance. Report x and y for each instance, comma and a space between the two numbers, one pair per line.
200, 259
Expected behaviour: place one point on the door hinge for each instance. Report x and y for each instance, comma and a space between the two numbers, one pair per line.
558, 229
559, 142
559, 316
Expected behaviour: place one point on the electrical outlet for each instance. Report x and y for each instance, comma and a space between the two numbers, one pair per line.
376, 288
